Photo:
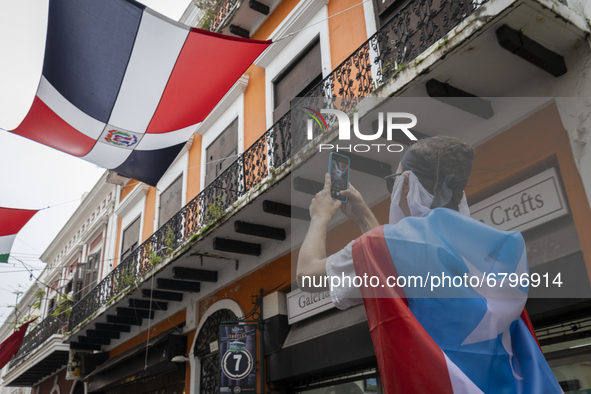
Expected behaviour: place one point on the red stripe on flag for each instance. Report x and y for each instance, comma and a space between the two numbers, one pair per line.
46, 127
12, 220
408, 358
530, 327
207, 67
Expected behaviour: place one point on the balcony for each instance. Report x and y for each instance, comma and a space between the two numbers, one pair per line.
42, 353
195, 249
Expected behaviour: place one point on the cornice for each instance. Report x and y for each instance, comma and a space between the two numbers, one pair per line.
132, 198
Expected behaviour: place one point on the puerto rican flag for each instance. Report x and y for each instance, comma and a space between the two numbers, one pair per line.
464, 339
125, 87
11, 222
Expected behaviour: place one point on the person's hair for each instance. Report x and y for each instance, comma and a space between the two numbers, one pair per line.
446, 155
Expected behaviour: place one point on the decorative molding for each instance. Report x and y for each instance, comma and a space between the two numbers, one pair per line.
134, 197
296, 20
96, 226
75, 249
117, 179
225, 103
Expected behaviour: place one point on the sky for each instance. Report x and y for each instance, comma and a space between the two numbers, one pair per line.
33, 176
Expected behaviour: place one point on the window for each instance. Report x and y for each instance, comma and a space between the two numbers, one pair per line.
131, 238
170, 201
299, 78
87, 276
221, 152
386, 9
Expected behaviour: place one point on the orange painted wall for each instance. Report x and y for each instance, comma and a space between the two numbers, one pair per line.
273, 20
346, 31
159, 328
255, 123
254, 96
538, 139
149, 214
116, 258
194, 171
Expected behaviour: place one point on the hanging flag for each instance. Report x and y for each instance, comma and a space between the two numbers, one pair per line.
125, 87
459, 338
11, 221
12, 344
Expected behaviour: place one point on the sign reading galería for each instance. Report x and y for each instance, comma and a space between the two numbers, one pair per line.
238, 358
301, 305
529, 203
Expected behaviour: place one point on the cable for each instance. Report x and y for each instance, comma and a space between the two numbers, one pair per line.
323, 20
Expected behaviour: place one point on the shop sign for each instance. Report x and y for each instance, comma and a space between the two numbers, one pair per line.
301, 305
238, 358
530, 203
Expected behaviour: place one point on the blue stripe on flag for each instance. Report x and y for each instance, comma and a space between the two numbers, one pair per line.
148, 166
88, 46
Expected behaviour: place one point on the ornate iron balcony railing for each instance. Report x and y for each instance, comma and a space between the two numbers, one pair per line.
412, 30
222, 11
48, 327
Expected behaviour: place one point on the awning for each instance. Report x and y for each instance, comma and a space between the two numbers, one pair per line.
133, 364
326, 344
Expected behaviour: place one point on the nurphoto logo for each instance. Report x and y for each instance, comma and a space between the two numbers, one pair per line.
393, 122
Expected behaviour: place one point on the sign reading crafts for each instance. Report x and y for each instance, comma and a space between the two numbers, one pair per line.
530, 203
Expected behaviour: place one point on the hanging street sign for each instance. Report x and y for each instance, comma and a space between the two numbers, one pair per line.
238, 358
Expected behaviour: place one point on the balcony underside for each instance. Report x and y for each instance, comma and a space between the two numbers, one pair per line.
471, 58
51, 357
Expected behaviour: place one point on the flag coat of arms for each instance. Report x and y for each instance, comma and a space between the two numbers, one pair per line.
11, 221
456, 339
125, 87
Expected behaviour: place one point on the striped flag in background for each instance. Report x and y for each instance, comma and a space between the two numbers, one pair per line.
124, 87
11, 221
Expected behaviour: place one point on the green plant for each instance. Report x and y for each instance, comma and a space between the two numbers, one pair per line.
215, 209
125, 279
169, 240
64, 306
209, 8
153, 257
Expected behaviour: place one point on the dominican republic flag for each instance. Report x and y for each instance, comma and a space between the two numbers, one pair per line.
12, 344
461, 340
125, 87
11, 222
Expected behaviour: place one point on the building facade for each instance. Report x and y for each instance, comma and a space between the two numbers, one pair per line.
215, 242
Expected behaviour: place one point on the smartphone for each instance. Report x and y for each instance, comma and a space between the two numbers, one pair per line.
338, 168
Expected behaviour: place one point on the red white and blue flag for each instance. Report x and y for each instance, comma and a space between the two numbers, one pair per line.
124, 87
456, 339
11, 222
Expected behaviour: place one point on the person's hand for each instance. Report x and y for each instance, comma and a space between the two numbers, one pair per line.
323, 206
355, 208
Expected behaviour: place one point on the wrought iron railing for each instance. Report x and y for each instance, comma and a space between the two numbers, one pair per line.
413, 29
49, 326
222, 11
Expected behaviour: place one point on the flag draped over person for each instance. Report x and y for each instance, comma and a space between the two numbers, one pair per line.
124, 87
11, 221
466, 337
12, 344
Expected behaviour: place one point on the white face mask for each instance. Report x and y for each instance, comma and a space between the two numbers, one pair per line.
419, 199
